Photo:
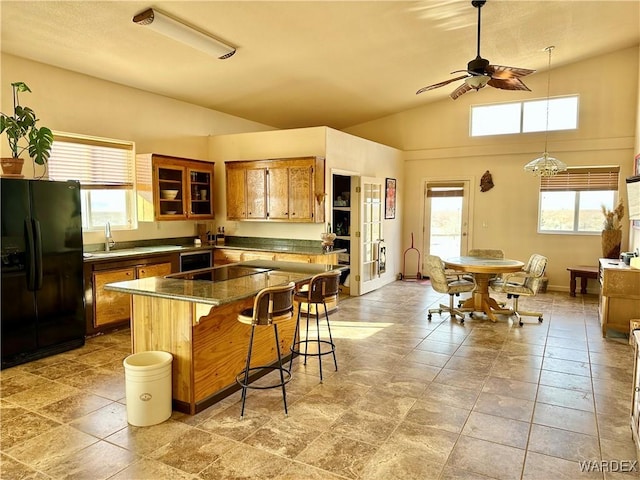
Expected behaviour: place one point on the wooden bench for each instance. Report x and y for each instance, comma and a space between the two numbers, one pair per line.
584, 272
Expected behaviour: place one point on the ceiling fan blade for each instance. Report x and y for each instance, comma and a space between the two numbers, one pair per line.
502, 72
508, 84
464, 88
441, 84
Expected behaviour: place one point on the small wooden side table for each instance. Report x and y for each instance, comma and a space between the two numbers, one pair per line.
584, 272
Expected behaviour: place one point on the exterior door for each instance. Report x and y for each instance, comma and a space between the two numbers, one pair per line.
446, 217
371, 236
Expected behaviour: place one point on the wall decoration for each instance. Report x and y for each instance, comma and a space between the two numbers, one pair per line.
390, 198
486, 182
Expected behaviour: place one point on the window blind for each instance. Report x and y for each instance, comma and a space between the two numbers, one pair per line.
445, 190
98, 163
582, 179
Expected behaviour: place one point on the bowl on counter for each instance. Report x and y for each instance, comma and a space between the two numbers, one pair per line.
168, 194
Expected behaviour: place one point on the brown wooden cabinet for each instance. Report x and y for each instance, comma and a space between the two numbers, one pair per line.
223, 256
287, 190
619, 295
106, 310
182, 188
110, 307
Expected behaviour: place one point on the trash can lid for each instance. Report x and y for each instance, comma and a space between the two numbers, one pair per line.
152, 358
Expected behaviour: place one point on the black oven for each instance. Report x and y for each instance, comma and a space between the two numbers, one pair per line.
195, 260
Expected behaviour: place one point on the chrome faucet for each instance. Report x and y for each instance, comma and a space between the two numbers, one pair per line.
108, 240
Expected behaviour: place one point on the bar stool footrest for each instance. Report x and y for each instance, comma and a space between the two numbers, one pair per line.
313, 342
285, 371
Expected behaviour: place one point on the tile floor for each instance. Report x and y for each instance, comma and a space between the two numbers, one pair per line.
412, 400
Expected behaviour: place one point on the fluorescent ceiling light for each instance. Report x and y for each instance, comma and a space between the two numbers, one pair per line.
165, 25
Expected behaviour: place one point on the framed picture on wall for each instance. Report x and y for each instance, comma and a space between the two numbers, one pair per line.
390, 198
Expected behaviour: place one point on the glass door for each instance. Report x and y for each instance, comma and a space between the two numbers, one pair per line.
446, 208
371, 232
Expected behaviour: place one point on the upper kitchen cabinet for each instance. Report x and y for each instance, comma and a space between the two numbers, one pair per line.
285, 190
180, 188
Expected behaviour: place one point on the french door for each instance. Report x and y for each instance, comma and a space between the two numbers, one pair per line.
371, 233
446, 217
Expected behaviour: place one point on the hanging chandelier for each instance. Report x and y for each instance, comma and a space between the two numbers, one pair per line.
546, 165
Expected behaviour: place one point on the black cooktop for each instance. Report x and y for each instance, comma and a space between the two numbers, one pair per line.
220, 274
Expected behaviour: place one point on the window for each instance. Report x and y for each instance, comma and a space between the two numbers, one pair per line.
571, 201
523, 117
105, 169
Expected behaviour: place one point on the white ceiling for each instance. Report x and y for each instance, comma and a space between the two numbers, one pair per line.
309, 63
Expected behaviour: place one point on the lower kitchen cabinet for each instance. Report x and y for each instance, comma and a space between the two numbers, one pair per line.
110, 307
224, 256
106, 310
619, 300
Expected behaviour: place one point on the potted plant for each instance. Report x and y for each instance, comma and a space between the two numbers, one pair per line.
23, 134
612, 231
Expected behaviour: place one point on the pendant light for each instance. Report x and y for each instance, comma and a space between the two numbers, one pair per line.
546, 165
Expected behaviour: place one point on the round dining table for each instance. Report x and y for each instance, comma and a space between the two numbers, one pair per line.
483, 269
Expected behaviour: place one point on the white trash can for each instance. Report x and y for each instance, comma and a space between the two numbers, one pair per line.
148, 387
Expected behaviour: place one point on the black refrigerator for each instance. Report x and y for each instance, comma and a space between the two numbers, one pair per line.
42, 309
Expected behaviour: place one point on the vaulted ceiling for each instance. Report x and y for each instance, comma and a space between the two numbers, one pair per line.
308, 63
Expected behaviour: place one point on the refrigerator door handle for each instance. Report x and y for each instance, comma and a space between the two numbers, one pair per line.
38, 248
31, 254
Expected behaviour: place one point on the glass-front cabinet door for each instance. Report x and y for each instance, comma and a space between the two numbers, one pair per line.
200, 201
171, 192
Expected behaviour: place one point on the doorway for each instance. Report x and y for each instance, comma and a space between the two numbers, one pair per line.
446, 217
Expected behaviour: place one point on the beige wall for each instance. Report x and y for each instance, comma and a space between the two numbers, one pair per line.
434, 139
436, 142
70, 102
342, 153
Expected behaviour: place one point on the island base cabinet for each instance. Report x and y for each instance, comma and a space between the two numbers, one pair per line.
208, 344
164, 324
220, 346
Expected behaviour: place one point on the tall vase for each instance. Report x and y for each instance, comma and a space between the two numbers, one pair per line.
611, 240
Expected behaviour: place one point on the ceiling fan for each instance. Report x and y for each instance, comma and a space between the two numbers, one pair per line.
479, 73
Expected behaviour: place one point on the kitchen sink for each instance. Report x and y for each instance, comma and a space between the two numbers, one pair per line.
132, 251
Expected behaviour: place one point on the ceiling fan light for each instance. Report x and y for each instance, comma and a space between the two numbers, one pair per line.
477, 81
545, 166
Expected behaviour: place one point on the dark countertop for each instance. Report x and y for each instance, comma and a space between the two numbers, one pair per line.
298, 249
146, 251
227, 291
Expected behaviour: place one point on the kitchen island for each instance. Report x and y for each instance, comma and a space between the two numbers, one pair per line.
193, 315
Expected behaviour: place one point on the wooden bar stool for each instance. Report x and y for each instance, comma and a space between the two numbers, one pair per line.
322, 288
271, 306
